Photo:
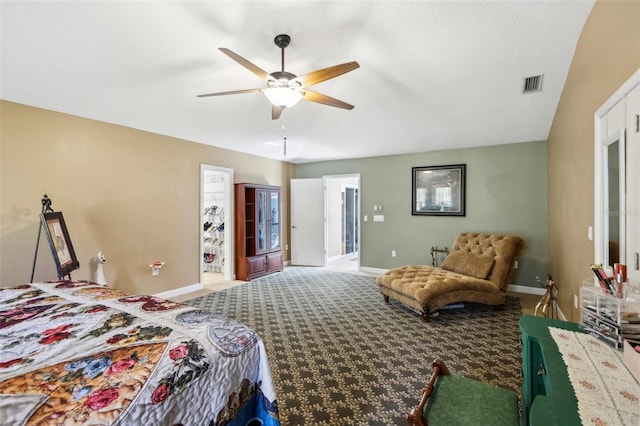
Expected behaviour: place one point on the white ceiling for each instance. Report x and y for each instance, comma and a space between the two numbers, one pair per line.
433, 74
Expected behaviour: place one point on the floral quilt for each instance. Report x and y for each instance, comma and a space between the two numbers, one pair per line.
78, 353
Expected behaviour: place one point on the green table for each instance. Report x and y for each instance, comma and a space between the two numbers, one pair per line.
548, 398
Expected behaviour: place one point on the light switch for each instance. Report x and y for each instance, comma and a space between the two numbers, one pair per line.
366, 218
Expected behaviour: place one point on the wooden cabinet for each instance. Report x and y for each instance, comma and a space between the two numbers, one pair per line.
258, 231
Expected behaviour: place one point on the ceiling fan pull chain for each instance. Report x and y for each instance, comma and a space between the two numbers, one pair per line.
284, 139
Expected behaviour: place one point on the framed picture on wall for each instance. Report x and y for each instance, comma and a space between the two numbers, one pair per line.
438, 190
60, 243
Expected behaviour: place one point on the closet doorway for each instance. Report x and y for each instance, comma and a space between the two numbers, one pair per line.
216, 261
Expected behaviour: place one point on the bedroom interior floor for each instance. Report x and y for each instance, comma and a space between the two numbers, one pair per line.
216, 282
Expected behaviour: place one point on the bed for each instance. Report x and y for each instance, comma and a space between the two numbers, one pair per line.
79, 353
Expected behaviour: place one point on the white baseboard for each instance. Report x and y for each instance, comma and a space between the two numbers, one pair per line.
179, 291
534, 290
373, 270
526, 289
561, 315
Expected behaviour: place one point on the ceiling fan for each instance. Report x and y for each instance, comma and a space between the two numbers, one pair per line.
285, 89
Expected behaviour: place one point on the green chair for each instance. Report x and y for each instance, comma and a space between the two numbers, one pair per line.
450, 400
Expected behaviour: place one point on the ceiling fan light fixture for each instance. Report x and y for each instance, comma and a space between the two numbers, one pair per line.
284, 97
285, 89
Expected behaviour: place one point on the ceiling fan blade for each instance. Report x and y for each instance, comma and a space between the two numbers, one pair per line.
248, 65
276, 111
324, 74
233, 92
326, 100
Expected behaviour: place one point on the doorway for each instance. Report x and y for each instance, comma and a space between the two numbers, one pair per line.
325, 221
343, 226
216, 262
350, 219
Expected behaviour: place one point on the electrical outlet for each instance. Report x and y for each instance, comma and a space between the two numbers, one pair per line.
286, 246
575, 301
393, 253
515, 265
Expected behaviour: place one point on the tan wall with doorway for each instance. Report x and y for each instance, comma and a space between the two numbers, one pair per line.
133, 195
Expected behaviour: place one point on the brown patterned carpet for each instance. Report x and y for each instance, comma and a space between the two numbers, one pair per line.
341, 356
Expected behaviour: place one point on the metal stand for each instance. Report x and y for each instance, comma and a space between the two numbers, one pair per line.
548, 300
46, 208
434, 254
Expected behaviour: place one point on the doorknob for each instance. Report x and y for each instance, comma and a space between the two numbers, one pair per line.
293, 227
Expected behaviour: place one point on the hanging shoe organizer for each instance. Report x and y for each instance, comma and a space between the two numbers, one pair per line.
213, 220
213, 258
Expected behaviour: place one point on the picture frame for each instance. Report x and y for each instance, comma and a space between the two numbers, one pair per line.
60, 243
439, 190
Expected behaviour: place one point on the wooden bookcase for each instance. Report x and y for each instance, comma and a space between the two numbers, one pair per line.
258, 230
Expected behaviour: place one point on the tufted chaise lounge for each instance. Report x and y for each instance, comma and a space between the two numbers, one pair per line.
477, 269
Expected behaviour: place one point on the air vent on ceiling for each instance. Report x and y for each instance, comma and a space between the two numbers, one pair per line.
533, 84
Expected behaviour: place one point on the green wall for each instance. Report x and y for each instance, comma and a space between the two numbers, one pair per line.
506, 193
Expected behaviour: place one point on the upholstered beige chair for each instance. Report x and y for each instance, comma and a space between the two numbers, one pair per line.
477, 269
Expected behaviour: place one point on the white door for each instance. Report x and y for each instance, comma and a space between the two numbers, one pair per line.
633, 184
307, 222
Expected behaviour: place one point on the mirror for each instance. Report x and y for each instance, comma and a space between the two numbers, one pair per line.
614, 199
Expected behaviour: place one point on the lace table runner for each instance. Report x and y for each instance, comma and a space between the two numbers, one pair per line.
606, 391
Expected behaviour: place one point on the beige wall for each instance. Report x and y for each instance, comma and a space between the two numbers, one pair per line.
607, 54
131, 194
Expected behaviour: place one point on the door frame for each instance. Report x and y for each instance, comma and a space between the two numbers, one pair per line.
600, 128
339, 178
229, 225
